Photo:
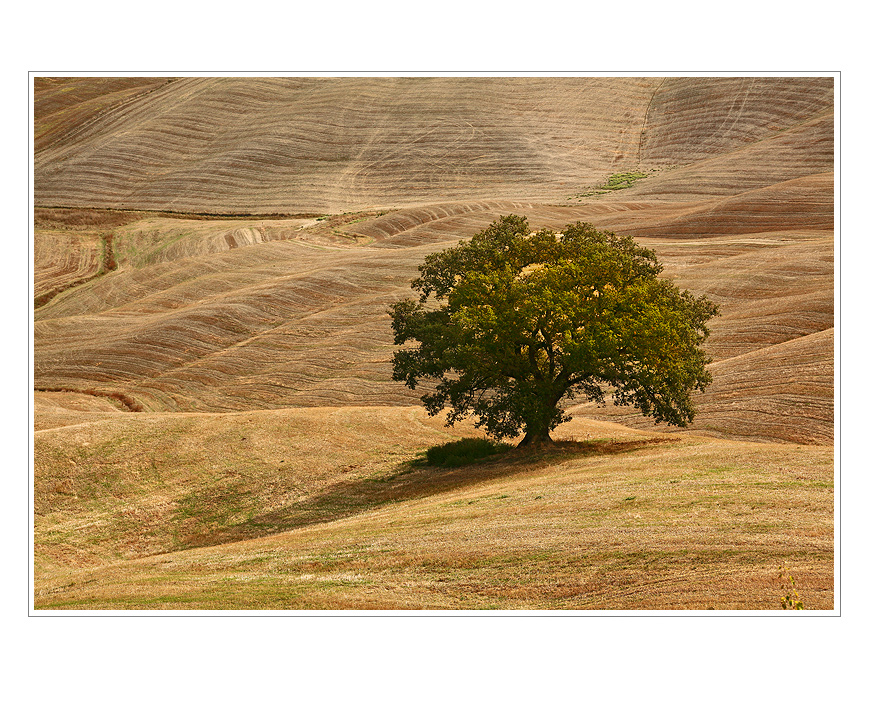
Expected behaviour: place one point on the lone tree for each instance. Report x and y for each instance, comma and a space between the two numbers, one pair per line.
513, 323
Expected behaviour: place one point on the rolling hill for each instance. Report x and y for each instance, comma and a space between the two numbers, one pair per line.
217, 252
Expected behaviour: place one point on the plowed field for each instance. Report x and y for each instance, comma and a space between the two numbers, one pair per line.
214, 259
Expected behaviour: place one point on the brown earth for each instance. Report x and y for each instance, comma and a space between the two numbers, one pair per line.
150, 297
322, 144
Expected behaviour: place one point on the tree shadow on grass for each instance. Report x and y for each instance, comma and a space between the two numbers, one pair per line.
410, 480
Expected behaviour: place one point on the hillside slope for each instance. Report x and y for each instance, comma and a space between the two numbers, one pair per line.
291, 323
229, 314
330, 145
333, 508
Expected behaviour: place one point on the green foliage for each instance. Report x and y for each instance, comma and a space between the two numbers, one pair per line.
616, 181
514, 322
465, 451
791, 599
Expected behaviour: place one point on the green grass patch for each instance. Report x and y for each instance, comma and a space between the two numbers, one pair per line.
468, 450
616, 181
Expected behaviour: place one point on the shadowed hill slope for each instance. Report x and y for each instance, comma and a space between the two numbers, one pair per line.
261, 312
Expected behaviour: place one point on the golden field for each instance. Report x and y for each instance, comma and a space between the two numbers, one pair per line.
215, 422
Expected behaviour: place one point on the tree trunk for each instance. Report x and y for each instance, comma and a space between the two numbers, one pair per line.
536, 439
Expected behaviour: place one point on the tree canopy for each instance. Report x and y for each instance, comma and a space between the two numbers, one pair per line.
514, 323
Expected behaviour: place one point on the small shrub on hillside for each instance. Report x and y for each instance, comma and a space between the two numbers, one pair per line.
618, 181
464, 451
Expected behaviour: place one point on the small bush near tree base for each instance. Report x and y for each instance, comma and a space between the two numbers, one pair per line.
464, 451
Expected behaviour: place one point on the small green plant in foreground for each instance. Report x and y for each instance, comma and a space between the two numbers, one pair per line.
465, 451
791, 599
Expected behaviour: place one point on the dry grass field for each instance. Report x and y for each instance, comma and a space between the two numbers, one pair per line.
215, 422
